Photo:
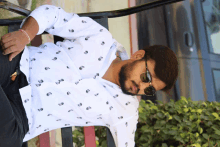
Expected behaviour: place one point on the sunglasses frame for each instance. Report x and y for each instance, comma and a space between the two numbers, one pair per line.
150, 79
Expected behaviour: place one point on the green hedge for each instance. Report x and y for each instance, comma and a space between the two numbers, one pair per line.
184, 123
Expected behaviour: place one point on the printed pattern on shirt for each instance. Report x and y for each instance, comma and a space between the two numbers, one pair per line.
65, 79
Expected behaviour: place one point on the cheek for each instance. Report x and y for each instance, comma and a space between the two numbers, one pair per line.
135, 72
127, 85
131, 73
135, 77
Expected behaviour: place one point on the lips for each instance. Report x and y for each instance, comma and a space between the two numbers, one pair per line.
134, 88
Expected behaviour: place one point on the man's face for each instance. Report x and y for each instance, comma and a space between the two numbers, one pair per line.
129, 76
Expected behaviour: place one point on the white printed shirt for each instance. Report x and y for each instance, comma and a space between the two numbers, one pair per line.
65, 79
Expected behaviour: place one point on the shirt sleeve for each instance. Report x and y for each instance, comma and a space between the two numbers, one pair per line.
56, 21
124, 133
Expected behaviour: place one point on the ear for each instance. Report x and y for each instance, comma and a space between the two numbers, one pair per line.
138, 55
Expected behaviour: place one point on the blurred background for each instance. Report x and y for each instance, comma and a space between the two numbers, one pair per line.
190, 28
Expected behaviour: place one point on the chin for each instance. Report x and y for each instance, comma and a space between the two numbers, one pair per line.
127, 92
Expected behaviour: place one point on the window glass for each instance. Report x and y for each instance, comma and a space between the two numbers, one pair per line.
216, 74
211, 9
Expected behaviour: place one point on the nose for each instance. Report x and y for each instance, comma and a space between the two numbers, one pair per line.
142, 86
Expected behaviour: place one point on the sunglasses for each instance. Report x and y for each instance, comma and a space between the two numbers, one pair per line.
146, 77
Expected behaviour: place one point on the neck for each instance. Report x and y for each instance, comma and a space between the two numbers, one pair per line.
112, 74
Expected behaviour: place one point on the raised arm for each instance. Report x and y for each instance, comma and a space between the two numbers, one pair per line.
31, 27
56, 21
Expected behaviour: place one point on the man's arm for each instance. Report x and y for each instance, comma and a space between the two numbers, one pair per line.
41, 19
31, 27
57, 21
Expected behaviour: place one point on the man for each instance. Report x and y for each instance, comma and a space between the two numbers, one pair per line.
80, 81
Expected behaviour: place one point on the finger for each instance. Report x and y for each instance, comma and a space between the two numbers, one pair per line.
9, 50
8, 44
6, 35
13, 55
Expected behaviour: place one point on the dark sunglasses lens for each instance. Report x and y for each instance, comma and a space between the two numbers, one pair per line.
149, 90
144, 77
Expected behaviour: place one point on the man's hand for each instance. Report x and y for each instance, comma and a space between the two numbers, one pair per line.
13, 43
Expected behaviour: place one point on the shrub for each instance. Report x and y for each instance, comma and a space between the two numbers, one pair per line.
184, 123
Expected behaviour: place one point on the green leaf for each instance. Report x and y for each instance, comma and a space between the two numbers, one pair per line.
160, 115
215, 136
199, 110
179, 139
104, 143
184, 99
159, 102
181, 128
214, 128
142, 117
185, 110
166, 132
217, 132
196, 145
198, 121
205, 145
193, 110
162, 122
140, 109
204, 104
164, 145
170, 117
189, 123
201, 130
182, 135
191, 117
97, 142
177, 118
168, 126
154, 107
145, 129
149, 101
174, 128
209, 123
173, 132
216, 115
205, 136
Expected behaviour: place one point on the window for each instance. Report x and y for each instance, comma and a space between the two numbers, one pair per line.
216, 74
211, 9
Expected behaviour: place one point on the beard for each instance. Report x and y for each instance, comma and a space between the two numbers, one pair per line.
124, 76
